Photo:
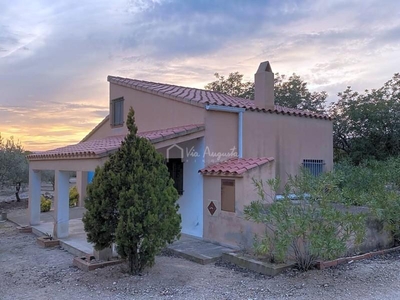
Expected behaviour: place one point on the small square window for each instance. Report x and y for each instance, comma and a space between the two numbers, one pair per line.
117, 112
228, 195
314, 166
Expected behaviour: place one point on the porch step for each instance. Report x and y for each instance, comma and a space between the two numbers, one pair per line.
198, 250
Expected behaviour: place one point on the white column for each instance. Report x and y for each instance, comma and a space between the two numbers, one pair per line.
34, 197
81, 184
61, 204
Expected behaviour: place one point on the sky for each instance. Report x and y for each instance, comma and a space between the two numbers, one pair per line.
55, 55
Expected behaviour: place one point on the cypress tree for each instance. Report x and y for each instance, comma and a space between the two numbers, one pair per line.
132, 202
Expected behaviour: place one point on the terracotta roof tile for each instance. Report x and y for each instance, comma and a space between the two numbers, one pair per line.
103, 147
235, 166
201, 97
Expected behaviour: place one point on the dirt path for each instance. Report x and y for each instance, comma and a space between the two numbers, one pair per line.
30, 272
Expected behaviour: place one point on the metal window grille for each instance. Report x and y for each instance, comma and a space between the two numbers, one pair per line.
315, 166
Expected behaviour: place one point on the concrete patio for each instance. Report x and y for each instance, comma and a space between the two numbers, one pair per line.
189, 247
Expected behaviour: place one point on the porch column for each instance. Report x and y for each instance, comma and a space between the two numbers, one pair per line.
34, 197
61, 203
81, 184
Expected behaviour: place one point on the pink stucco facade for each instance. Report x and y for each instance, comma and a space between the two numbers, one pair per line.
215, 126
289, 139
152, 112
231, 228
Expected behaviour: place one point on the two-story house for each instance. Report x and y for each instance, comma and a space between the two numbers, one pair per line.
214, 144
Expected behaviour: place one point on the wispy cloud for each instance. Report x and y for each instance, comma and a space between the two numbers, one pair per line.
55, 56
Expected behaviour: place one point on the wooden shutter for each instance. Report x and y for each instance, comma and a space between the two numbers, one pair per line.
228, 195
117, 112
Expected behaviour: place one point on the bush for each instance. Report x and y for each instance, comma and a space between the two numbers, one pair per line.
45, 204
309, 228
73, 196
375, 184
132, 201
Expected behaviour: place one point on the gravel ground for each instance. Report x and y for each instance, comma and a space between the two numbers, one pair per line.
30, 272
9, 205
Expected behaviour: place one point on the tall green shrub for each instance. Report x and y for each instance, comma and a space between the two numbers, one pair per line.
132, 202
376, 185
307, 227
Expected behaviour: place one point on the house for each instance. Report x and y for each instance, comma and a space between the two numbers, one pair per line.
214, 144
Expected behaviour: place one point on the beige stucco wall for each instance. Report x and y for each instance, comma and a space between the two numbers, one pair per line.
67, 164
232, 228
221, 135
103, 131
288, 139
152, 112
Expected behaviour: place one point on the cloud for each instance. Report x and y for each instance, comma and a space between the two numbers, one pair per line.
55, 56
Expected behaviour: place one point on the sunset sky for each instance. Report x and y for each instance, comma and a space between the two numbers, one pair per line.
55, 55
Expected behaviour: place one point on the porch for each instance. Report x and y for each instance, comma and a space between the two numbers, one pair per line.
84, 157
188, 247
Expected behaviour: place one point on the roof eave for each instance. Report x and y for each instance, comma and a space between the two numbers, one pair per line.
157, 93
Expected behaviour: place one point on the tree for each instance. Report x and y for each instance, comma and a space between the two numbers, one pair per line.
368, 125
132, 202
292, 92
14, 168
48, 176
233, 86
101, 218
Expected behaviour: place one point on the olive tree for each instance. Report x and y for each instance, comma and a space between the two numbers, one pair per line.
14, 168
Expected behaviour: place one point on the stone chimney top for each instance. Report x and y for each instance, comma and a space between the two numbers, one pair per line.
264, 86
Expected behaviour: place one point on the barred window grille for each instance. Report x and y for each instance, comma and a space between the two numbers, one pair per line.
315, 166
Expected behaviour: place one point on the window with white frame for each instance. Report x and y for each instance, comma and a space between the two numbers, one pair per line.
315, 166
117, 112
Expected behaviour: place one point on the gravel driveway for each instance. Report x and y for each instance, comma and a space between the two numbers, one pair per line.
30, 272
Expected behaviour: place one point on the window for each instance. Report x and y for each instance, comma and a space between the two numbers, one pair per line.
315, 166
228, 195
175, 168
117, 112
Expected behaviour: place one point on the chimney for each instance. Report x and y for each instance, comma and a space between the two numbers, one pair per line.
264, 87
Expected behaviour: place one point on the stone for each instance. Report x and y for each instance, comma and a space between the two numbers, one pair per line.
103, 255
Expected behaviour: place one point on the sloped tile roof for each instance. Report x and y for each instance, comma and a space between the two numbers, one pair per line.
201, 97
235, 166
102, 147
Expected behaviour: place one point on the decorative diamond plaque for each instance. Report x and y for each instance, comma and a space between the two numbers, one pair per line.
212, 208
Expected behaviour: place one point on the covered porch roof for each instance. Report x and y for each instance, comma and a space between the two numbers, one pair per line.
94, 152
83, 157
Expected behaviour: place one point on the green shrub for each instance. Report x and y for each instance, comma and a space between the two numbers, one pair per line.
375, 184
132, 202
45, 204
309, 228
73, 196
